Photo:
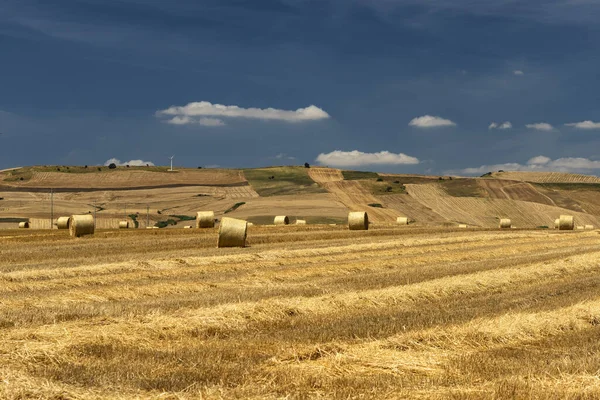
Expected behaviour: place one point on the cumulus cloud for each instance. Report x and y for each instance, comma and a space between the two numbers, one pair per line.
428, 121
357, 158
585, 125
518, 72
189, 113
504, 125
540, 126
133, 163
540, 163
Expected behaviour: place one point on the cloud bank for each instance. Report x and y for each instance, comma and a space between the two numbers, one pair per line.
585, 125
133, 163
189, 114
429, 121
518, 72
357, 158
540, 163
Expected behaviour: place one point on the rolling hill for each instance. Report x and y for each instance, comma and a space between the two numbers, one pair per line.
150, 195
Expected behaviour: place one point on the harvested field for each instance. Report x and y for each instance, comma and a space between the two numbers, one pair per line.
484, 212
305, 311
510, 190
546, 177
357, 198
127, 178
322, 175
352, 194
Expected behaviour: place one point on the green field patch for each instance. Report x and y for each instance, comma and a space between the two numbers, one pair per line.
356, 175
280, 181
184, 217
13, 219
463, 188
234, 207
385, 187
164, 224
569, 186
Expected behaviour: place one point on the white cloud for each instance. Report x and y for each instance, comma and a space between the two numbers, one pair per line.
185, 114
539, 163
518, 72
585, 125
504, 125
540, 126
133, 163
357, 158
211, 122
428, 121
179, 120
539, 160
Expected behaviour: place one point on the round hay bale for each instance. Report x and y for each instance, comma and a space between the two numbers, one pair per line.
281, 220
232, 233
81, 225
187, 227
63, 222
402, 220
205, 219
589, 227
300, 222
358, 221
580, 227
23, 225
250, 224
123, 224
462, 226
505, 223
556, 223
566, 223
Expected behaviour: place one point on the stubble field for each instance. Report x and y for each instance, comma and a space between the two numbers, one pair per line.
303, 312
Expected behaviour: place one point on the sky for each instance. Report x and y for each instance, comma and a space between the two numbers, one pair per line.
405, 86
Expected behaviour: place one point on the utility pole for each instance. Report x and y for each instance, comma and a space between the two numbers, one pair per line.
171, 158
51, 208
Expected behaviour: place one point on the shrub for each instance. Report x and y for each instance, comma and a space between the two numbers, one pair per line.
379, 179
376, 205
112, 166
306, 165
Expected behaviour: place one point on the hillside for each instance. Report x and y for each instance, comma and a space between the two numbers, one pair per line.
319, 195
545, 177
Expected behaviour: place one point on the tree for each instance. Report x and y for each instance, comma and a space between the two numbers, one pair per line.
306, 165
112, 166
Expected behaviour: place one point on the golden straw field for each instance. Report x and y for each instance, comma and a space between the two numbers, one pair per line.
312, 311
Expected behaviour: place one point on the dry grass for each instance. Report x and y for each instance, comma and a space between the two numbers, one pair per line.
304, 312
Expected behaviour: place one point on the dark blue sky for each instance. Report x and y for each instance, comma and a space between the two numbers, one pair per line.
84, 81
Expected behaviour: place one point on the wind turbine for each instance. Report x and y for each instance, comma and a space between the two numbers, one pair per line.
171, 158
